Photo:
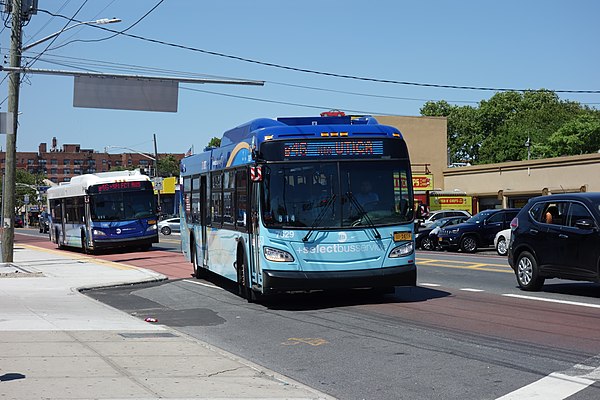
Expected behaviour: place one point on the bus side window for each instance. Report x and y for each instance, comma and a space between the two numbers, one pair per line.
187, 198
241, 198
216, 203
228, 197
195, 199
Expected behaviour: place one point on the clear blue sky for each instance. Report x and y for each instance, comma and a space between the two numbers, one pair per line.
503, 44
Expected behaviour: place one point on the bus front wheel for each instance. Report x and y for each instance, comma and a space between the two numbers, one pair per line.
198, 270
244, 288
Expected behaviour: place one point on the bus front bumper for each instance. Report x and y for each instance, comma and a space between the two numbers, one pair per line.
127, 242
287, 281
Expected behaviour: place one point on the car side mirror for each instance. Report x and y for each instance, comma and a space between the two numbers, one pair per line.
584, 224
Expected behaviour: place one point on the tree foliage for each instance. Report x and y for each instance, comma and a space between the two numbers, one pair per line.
25, 185
214, 142
499, 128
168, 166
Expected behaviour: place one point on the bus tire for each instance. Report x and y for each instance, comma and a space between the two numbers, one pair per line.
84, 245
244, 289
58, 243
198, 270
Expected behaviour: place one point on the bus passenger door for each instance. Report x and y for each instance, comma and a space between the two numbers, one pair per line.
204, 203
62, 236
254, 245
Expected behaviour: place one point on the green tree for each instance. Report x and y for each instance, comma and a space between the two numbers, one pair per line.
26, 184
214, 142
578, 136
497, 130
168, 166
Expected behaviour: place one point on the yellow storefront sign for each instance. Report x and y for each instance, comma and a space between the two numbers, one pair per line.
422, 182
451, 203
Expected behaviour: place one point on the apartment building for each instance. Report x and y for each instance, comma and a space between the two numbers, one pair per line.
61, 164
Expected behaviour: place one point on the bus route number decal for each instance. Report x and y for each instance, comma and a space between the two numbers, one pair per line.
285, 234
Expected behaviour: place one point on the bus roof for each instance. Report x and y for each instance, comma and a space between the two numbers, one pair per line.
78, 185
236, 142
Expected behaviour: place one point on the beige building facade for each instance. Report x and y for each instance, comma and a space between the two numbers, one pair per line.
511, 184
426, 138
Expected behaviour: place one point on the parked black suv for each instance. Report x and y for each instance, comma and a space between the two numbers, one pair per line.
556, 236
477, 231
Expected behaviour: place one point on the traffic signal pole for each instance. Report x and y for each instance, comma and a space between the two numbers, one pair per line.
14, 82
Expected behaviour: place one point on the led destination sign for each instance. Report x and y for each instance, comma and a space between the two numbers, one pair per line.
333, 149
120, 187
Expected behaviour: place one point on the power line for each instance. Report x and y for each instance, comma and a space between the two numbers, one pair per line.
136, 68
52, 41
288, 103
116, 33
331, 74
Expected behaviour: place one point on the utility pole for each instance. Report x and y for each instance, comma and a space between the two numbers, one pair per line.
156, 174
8, 233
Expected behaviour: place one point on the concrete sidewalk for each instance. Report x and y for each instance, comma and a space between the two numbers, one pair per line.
56, 343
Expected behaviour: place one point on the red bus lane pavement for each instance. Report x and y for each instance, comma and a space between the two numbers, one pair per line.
543, 324
171, 264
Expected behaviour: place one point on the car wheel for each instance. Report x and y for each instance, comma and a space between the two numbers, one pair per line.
468, 244
165, 230
427, 244
502, 246
528, 273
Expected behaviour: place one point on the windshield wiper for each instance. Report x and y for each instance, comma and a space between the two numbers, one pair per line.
363, 213
317, 220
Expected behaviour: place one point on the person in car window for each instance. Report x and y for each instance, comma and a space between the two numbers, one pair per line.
551, 214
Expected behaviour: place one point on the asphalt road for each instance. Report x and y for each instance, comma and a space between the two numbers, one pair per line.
466, 332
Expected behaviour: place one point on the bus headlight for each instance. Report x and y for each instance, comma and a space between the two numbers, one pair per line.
96, 232
402, 251
151, 228
276, 255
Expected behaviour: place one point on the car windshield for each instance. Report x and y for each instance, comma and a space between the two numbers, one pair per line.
119, 206
479, 218
336, 194
439, 222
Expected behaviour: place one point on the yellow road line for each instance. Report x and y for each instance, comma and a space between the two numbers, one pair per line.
79, 257
465, 265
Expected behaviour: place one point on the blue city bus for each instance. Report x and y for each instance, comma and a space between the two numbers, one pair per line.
103, 210
301, 204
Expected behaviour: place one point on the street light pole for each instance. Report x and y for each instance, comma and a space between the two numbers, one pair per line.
8, 190
8, 233
95, 22
156, 174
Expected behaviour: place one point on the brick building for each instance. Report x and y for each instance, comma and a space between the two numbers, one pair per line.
61, 164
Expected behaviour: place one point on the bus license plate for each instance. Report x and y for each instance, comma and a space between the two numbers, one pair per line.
399, 236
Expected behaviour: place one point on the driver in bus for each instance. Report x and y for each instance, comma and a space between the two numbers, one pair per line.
366, 195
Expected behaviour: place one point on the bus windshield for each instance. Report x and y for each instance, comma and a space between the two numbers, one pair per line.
119, 206
337, 194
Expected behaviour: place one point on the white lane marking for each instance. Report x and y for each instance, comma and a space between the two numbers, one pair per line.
429, 284
555, 386
202, 284
472, 290
572, 303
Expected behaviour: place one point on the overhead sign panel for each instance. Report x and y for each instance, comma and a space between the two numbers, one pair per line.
125, 93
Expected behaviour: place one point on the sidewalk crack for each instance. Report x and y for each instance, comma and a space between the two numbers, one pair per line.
222, 372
